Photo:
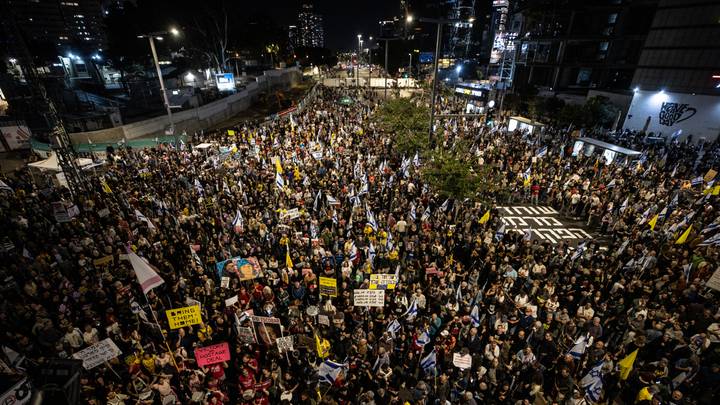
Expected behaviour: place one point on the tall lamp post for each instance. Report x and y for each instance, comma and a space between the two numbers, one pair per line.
357, 61
151, 38
410, 65
370, 46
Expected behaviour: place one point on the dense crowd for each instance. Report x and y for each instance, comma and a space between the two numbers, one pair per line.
626, 318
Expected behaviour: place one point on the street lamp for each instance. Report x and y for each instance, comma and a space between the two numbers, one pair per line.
158, 35
370, 45
410, 65
357, 61
409, 18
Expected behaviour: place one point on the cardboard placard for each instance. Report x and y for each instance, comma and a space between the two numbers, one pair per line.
323, 320
231, 301
368, 298
290, 214
383, 281
224, 282
98, 353
710, 175
246, 335
328, 286
285, 344
462, 362
714, 281
212, 354
186, 316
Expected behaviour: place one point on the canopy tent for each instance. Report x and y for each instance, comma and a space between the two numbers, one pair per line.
52, 163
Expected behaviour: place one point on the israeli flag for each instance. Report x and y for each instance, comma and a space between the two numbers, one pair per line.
459, 294
390, 244
331, 200
279, 181
578, 348
306, 181
697, 180
353, 251
527, 173
528, 234
238, 222
226, 189
444, 205
663, 214
624, 205
710, 228
382, 167
394, 327
426, 214
428, 363
413, 216
199, 187
313, 231
412, 310
423, 339
371, 219
712, 241
592, 383
316, 203
542, 152
363, 185
416, 160
371, 253
611, 184
578, 251
674, 201
143, 218
329, 371
500, 234
475, 316
672, 175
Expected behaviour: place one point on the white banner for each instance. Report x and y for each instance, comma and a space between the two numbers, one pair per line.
230, 301
369, 298
463, 362
98, 353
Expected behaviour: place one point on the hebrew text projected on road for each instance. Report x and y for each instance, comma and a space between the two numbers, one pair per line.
545, 222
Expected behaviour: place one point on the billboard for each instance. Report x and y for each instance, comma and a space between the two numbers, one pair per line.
225, 81
664, 113
426, 57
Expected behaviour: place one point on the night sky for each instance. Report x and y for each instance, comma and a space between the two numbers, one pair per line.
342, 19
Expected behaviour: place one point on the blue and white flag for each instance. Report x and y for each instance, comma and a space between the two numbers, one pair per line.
331, 200
578, 251
390, 244
611, 184
687, 271
394, 327
238, 222
459, 294
329, 371
444, 205
672, 175
426, 214
199, 187
674, 201
697, 180
412, 310
313, 231
428, 363
316, 203
279, 181
143, 218
371, 254
592, 383
527, 234
500, 234
413, 216
416, 160
624, 205
712, 241
423, 339
371, 219
475, 316
226, 189
542, 152
353, 251
713, 226
579, 347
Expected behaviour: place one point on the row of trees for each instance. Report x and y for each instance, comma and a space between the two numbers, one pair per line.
451, 170
595, 112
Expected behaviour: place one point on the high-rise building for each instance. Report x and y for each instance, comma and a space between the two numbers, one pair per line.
310, 27
70, 27
459, 37
293, 37
573, 46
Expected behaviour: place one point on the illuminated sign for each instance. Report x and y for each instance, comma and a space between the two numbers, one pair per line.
225, 81
468, 92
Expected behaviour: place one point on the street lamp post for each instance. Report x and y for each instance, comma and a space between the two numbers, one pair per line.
370, 45
151, 36
410, 65
357, 61
440, 23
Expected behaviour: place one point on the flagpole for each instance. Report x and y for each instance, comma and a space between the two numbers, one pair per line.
172, 356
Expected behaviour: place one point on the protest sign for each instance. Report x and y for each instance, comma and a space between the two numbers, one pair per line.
18, 394
246, 335
60, 212
224, 282
714, 281
231, 301
290, 214
323, 320
244, 269
383, 281
285, 344
212, 354
186, 316
463, 362
328, 286
98, 353
368, 298
267, 329
317, 155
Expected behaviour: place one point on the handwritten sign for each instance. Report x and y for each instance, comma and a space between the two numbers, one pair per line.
98, 353
246, 335
285, 344
714, 281
224, 282
265, 319
368, 298
544, 222
462, 362
212, 354
290, 214
328, 286
383, 281
323, 320
186, 316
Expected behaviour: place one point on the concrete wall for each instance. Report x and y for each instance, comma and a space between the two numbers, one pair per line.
198, 118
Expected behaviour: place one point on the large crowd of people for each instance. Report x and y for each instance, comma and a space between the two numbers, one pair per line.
475, 315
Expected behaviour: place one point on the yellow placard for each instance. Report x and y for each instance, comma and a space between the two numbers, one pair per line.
328, 286
710, 175
186, 316
383, 281
231, 132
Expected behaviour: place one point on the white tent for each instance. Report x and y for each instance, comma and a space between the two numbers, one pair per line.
52, 163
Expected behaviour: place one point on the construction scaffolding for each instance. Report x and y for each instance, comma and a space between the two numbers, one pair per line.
460, 33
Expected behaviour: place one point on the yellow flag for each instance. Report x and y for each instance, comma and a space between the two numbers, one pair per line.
715, 190
278, 166
653, 221
485, 217
322, 346
105, 187
288, 260
527, 181
626, 365
683, 238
